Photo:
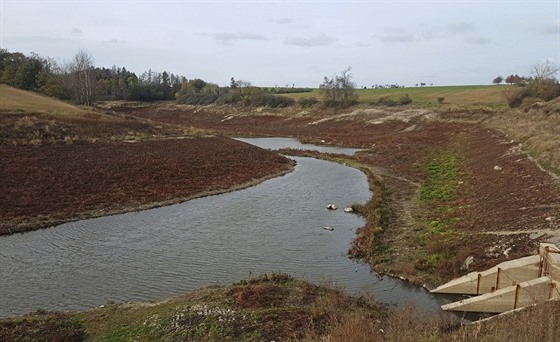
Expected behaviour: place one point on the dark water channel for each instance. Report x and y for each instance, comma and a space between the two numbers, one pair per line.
153, 254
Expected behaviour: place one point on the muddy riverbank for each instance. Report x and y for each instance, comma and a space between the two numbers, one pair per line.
451, 188
477, 183
48, 184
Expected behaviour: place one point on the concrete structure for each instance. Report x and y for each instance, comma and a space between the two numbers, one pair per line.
509, 285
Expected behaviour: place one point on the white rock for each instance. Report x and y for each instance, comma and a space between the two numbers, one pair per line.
497, 168
467, 263
506, 252
535, 235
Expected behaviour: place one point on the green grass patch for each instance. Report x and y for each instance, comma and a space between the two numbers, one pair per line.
442, 181
493, 95
468, 94
437, 236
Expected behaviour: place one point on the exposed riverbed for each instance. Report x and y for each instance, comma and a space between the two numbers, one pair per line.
163, 252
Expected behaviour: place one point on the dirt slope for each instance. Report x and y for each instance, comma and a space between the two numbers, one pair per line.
497, 187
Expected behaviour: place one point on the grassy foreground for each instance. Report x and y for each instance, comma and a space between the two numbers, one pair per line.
272, 308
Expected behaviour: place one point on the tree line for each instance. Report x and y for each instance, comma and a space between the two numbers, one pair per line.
80, 81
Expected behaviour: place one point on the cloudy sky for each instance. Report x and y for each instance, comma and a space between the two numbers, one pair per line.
294, 42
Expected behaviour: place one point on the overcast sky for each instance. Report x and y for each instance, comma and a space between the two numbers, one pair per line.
294, 42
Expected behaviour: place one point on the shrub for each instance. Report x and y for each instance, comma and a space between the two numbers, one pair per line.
307, 102
228, 98
197, 99
287, 90
273, 101
542, 88
440, 99
515, 97
546, 89
339, 90
389, 102
405, 99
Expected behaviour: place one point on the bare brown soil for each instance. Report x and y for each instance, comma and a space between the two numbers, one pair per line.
514, 196
500, 190
29, 128
503, 207
51, 183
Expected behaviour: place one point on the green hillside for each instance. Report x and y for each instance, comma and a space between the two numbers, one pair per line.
471, 94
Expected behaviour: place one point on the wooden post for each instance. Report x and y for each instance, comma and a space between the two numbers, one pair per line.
498, 278
541, 266
545, 261
516, 296
478, 284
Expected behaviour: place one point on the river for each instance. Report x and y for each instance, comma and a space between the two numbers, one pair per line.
276, 226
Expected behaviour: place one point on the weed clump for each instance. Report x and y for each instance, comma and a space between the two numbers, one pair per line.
42, 326
389, 102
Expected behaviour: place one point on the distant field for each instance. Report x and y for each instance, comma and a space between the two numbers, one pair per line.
475, 94
17, 100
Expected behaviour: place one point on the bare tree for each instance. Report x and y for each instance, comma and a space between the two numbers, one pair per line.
545, 70
339, 90
81, 69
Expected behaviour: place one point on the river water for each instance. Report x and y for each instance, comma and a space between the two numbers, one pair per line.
276, 226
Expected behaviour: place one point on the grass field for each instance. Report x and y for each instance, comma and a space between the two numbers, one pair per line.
17, 100
470, 94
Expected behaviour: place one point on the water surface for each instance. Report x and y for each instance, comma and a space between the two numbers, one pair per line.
278, 143
276, 226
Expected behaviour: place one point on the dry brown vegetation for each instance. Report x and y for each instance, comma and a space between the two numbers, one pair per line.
59, 162
267, 308
536, 125
27, 118
47, 184
18, 100
275, 307
449, 182
424, 240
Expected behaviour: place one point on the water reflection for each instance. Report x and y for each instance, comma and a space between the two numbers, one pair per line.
279, 143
